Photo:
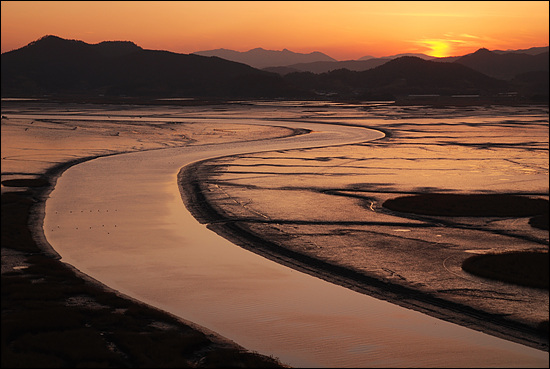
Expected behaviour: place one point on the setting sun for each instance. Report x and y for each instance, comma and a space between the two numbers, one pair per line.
274, 184
438, 48
344, 30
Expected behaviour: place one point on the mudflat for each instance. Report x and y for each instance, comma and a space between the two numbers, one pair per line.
55, 316
398, 217
348, 238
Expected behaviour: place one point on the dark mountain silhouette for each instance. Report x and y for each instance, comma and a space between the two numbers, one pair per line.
402, 76
327, 66
535, 85
418, 55
503, 70
530, 51
60, 67
418, 72
504, 66
116, 48
364, 63
261, 58
367, 57
283, 70
447, 59
52, 65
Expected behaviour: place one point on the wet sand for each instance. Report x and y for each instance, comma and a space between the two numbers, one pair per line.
321, 211
125, 213
258, 236
319, 269
52, 314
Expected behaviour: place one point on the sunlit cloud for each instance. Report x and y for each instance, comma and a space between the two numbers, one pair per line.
469, 36
424, 14
451, 44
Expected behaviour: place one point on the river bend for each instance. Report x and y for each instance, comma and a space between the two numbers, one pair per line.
120, 219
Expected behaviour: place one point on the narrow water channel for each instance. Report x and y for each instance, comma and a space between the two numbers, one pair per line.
120, 219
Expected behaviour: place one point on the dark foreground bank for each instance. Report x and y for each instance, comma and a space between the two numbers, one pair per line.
53, 316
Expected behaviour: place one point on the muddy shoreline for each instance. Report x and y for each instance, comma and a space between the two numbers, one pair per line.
53, 315
36, 284
81, 306
191, 181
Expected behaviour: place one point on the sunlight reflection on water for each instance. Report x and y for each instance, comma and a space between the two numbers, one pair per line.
261, 305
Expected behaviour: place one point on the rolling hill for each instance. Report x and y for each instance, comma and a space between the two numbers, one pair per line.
498, 64
504, 65
52, 65
402, 76
327, 66
261, 58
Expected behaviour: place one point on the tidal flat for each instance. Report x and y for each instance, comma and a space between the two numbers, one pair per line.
326, 203
52, 314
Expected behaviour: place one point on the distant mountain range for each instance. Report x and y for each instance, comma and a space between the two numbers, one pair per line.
505, 65
52, 65
286, 61
56, 66
406, 75
499, 64
261, 58
418, 55
327, 66
530, 51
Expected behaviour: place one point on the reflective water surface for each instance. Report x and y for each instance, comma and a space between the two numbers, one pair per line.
121, 220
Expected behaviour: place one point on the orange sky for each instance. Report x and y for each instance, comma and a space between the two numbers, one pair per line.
343, 30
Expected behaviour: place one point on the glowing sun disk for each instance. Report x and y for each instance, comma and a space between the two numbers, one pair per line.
438, 48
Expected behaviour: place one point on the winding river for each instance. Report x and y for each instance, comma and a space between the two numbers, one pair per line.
120, 219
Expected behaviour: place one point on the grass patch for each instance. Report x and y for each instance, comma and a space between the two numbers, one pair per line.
469, 205
524, 268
